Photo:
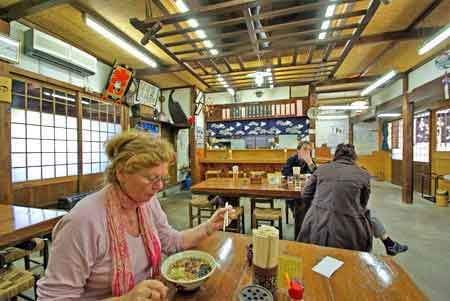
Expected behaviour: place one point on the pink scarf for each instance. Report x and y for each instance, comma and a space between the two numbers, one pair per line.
123, 277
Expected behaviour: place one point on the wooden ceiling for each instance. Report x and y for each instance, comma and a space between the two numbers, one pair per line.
365, 38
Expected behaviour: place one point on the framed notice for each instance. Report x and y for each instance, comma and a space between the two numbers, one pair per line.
5, 89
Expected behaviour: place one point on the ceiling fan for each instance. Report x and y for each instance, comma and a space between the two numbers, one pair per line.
260, 75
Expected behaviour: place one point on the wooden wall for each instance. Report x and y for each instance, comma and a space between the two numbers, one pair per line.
378, 164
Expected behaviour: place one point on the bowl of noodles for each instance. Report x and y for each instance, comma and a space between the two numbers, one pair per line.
189, 269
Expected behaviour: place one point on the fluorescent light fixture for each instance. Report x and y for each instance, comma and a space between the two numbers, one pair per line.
101, 29
259, 79
193, 23
332, 117
201, 34
226, 85
221, 80
325, 25
271, 86
268, 70
322, 35
219, 76
231, 91
385, 78
343, 107
9, 41
381, 115
214, 51
437, 39
208, 44
181, 6
359, 103
330, 10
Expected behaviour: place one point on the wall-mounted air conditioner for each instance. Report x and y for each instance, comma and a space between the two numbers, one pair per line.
48, 48
9, 49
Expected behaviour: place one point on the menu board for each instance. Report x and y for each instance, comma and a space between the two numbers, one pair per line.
147, 93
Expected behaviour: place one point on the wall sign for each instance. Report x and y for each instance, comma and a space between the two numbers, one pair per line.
5, 89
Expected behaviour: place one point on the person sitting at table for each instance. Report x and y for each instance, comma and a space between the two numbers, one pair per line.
352, 184
110, 244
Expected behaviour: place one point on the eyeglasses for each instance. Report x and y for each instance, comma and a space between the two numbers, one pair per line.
156, 179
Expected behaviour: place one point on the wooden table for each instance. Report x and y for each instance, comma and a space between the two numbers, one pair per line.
362, 277
18, 224
243, 188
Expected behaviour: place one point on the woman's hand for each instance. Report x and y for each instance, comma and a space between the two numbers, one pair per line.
306, 156
216, 221
147, 290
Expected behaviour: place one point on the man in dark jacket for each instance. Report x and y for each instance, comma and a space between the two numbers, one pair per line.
339, 216
302, 159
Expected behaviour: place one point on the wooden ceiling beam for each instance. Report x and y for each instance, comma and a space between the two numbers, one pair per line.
227, 64
251, 31
241, 63
305, 75
342, 81
411, 26
202, 68
294, 57
158, 71
336, 90
284, 68
215, 67
343, 100
212, 38
28, 7
206, 11
244, 76
397, 36
373, 7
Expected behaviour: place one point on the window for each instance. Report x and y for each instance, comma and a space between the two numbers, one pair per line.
397, 139
443, 130
100, 122
43, 132
421, 137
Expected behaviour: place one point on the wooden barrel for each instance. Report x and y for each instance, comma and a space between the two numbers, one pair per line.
442, 198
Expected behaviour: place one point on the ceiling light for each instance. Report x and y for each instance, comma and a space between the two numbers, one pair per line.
231, 91
268, 70
201, 34
325, 25
214, 51
9, 41
271, 86
437, 39
379, 82
359, 103
343, 107
259, 79
208, 44
101, 29
322, 35
193, 23
381, 115
332, 117
226, 85
330, 10
181, 6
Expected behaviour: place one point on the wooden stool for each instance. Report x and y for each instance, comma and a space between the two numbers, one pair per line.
268, 215
239, 222
256, 201
26, 249
203, 205
41, 246
13, 282
213, 173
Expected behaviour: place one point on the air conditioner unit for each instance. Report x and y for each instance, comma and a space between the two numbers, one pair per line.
52, 50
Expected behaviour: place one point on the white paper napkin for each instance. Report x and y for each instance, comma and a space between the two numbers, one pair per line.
327, 266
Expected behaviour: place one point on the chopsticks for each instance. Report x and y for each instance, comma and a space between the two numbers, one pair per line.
225, 218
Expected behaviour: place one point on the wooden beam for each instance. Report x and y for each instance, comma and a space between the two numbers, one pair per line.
227, 64
161, 70
6, 195
241, 63
310, 54
312, 102
407, 160
348, 47
218, 37
295, 76
202, 67
215, 67
283, 68
275, 76
28, 7
391, 45
336, 90
347, 81
294, 57
339, 100
397, 36
251, 31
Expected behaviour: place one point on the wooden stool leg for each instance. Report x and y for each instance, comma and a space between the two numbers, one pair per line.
190, 216
280, 225
287, 213
243, 221
199, 214
27, 262
45, 255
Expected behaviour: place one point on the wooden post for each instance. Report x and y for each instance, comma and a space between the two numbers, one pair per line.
350, 131
312, 97
407, 162
6, 195
80, 143
192, 141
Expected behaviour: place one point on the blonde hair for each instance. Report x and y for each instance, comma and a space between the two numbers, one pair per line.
133, 151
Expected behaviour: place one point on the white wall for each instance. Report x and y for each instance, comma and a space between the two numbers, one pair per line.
331, 132
279, 93
95, 83
424, 74
365, 137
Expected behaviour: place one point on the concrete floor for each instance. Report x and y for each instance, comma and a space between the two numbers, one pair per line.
422, 226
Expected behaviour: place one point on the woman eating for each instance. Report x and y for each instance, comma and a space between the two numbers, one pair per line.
109, 246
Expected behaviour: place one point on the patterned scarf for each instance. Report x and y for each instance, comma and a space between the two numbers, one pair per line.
123, 276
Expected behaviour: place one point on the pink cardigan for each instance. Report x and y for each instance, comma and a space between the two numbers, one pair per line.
80, 266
